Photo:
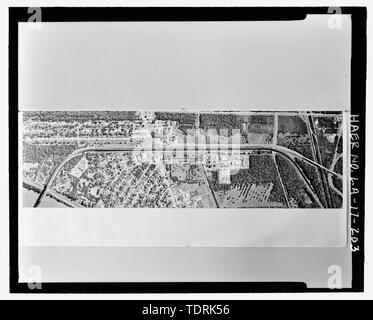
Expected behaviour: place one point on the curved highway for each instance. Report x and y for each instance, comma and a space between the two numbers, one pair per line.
290, 154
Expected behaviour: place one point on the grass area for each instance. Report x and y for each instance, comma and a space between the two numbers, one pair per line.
297, 190
79, 116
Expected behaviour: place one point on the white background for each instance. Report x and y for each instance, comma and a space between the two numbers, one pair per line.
4, 187
214, 65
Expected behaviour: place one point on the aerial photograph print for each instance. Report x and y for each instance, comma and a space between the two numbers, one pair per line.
139, 159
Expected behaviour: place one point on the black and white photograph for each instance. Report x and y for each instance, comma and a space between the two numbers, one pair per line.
183, 160
187, 150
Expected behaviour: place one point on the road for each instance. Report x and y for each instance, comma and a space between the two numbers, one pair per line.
336, 157
52, 193
290, 154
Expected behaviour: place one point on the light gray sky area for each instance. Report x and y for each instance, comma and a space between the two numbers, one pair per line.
301, 65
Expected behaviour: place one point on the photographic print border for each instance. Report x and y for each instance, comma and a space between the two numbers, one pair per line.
358, 107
